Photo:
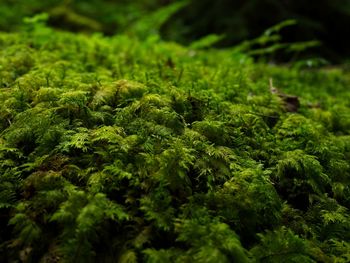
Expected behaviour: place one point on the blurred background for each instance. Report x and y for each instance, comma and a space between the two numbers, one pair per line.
232, 21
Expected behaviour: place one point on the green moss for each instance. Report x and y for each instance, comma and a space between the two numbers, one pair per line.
119, 149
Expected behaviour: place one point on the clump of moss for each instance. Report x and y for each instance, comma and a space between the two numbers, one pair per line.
113, 149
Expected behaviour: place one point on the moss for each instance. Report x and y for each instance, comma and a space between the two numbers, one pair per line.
115, 148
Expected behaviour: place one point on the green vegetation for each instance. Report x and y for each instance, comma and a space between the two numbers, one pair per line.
238, 20
116, 149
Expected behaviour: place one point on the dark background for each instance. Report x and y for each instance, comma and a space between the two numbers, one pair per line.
325, 20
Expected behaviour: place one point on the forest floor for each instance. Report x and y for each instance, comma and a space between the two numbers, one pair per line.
114, 149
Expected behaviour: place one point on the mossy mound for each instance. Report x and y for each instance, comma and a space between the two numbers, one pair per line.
116, 150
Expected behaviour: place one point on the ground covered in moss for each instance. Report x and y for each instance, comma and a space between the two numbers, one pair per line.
120, 150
